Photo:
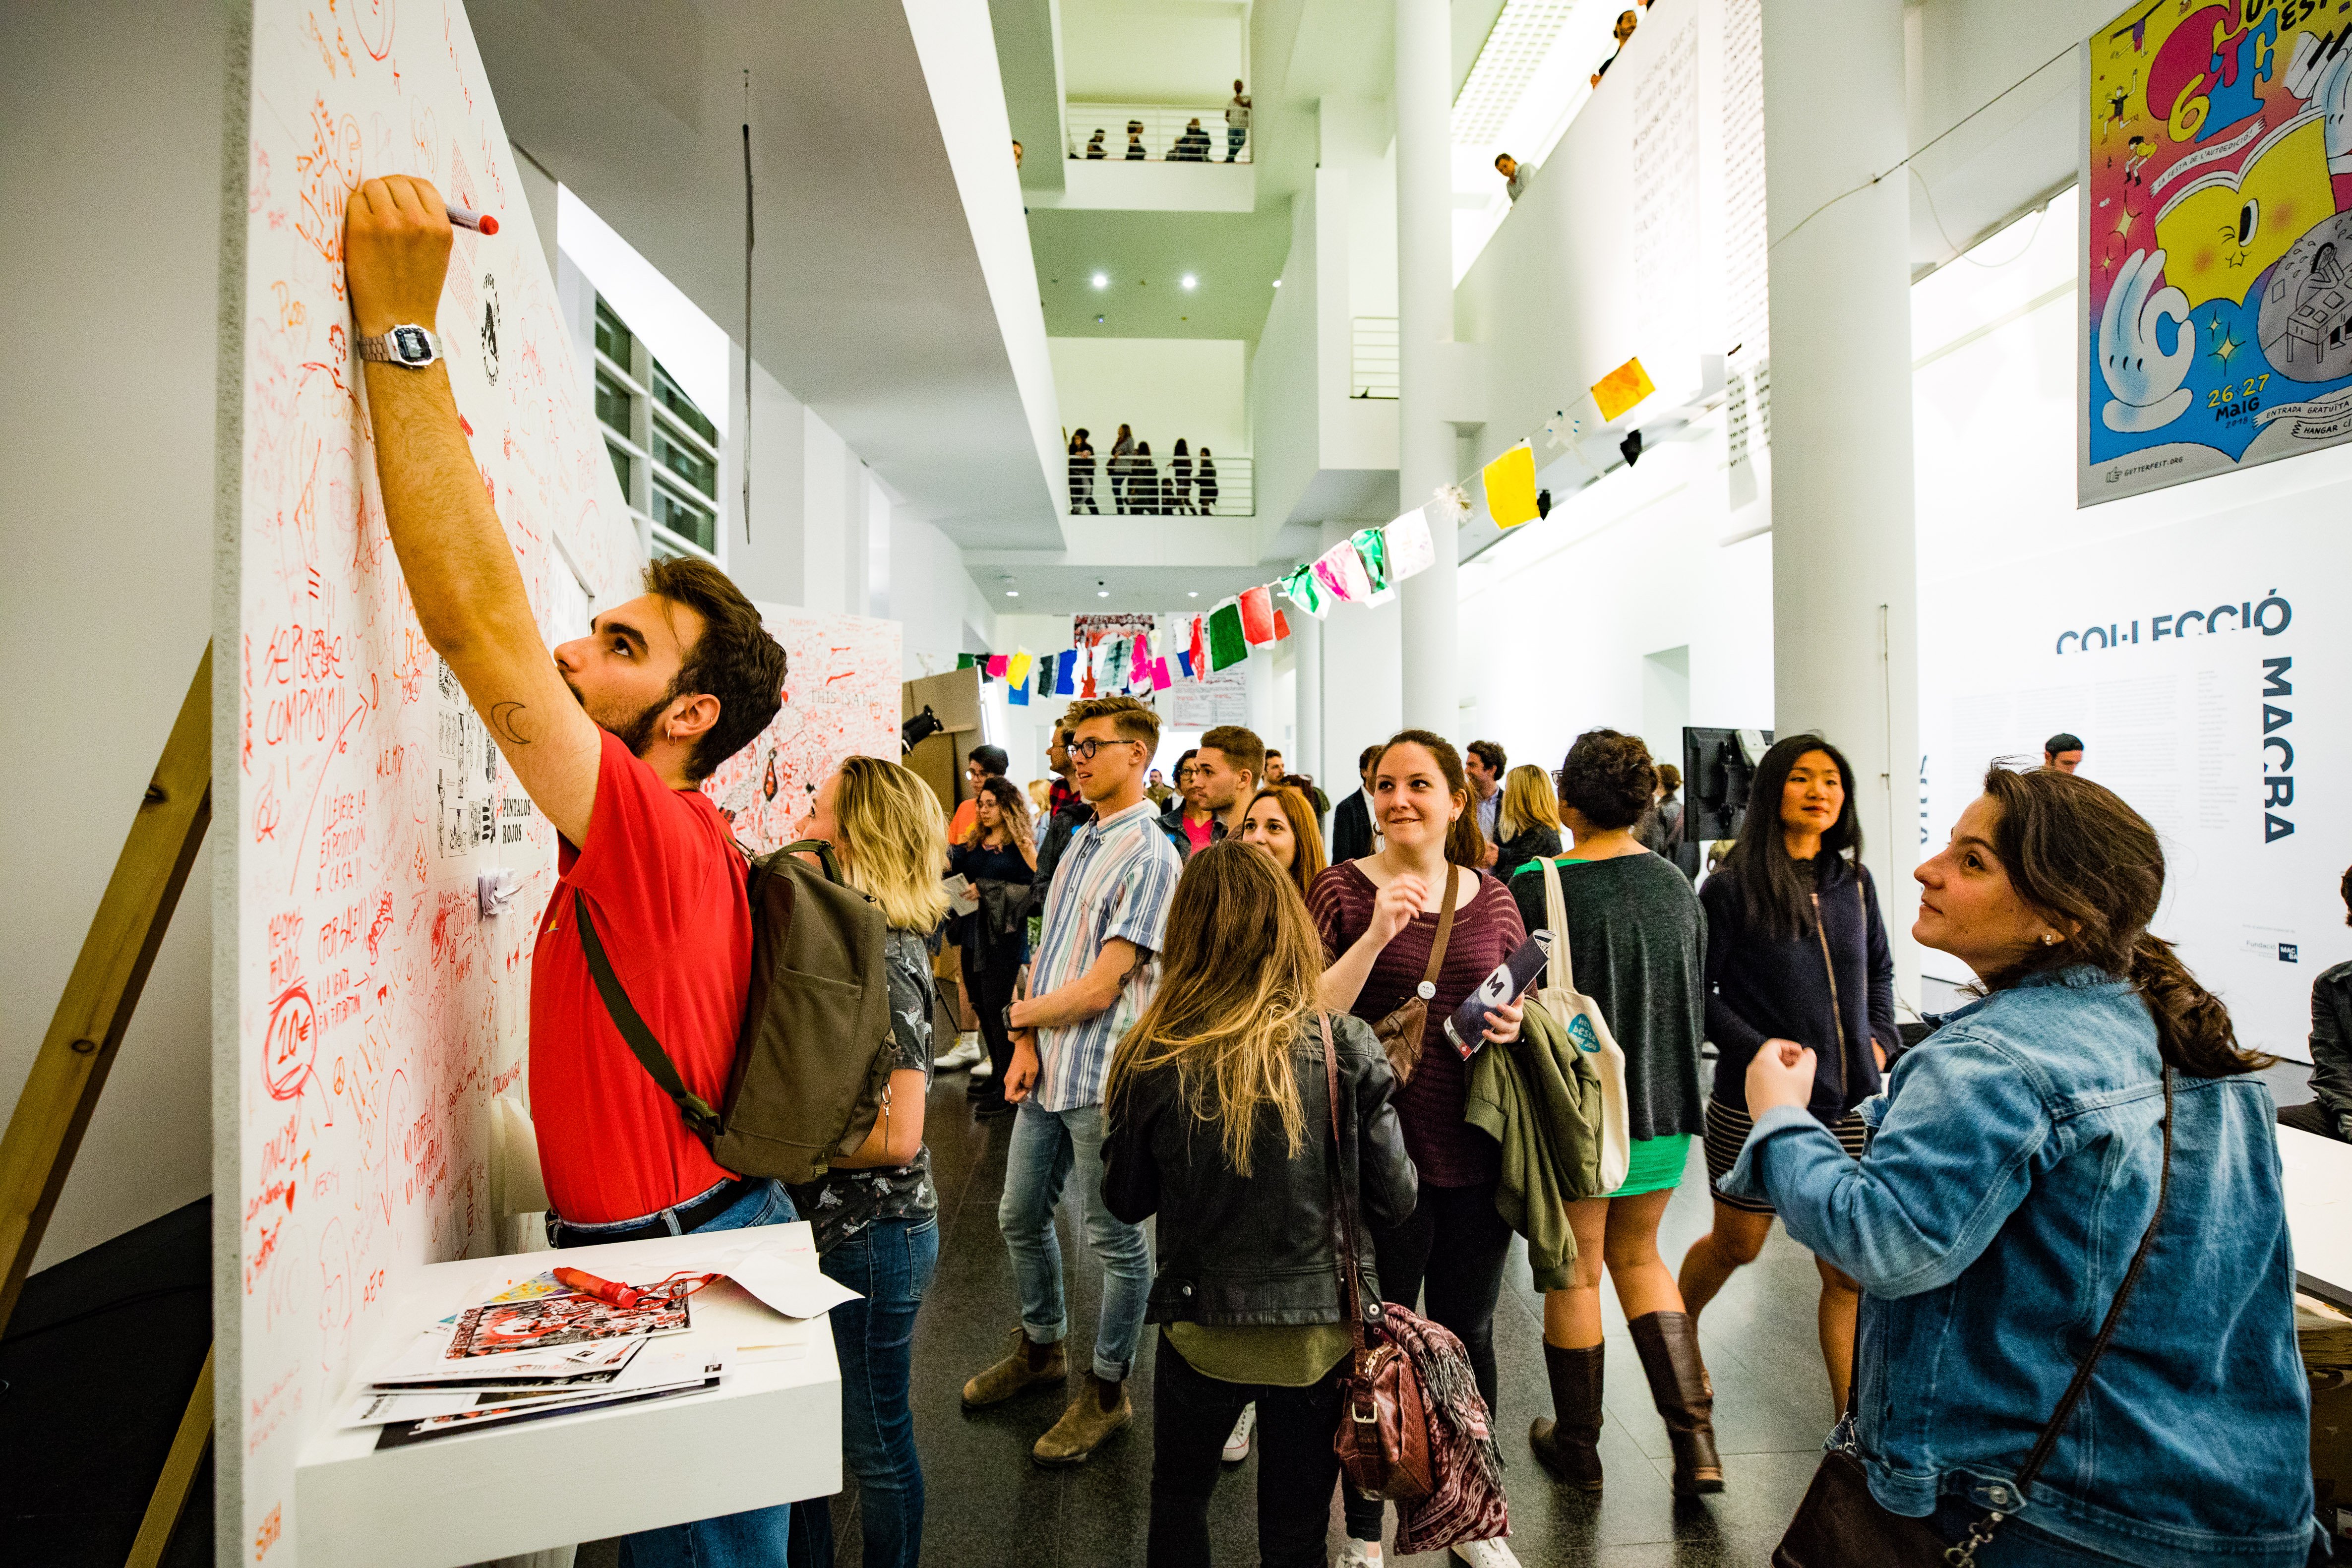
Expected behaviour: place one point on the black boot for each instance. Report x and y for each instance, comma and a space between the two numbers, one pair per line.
1568, 1447
1668, 1343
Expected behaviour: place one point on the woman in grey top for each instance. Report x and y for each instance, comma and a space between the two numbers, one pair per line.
1636, 939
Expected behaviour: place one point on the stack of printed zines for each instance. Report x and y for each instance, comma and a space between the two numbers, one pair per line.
535, 1350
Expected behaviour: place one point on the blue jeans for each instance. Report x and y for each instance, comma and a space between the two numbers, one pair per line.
1234, 136
755, 1538
890, 1264
1049, 1147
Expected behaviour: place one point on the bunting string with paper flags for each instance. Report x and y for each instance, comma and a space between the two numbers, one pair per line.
1411, 548
1228, 645
1339, 570
1302, 589
1257, 616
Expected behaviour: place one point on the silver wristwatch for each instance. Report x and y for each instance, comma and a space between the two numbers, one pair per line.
413, 346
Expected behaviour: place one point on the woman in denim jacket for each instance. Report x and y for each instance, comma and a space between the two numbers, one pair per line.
2013, 1169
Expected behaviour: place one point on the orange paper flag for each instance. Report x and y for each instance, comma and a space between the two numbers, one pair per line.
1621, 389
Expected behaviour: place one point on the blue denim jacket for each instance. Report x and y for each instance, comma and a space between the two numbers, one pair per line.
2012, 1171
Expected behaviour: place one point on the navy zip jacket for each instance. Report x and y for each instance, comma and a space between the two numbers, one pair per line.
1760, 988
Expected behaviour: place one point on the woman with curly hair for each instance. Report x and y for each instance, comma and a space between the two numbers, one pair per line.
1635, 938
999, 858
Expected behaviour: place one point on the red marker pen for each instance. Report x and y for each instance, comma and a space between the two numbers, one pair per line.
587, 1284
480, 223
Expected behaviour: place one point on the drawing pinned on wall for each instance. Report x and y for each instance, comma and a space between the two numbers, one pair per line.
2217, 242
841, 700
374, 1011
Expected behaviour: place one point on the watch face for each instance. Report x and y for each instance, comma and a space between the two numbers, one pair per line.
411, 345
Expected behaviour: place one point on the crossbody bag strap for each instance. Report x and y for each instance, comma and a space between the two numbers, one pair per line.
1563, 958
633, 1030
2076, 1389
1352, 1277
1444, 931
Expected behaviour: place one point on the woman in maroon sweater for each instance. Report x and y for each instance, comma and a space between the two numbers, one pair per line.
1378, 918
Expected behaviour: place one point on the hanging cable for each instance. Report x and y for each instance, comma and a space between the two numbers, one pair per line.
743, 455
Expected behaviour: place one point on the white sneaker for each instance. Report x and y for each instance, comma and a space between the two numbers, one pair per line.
982, 1070
1491, 1553
1355, 1553
966, 1051
1238, 1445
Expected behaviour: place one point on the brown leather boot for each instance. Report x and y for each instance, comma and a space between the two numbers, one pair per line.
1101, 1409
1028, 1366
1668, 1343
1568, 1447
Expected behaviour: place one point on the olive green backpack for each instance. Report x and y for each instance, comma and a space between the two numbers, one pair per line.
813, 1062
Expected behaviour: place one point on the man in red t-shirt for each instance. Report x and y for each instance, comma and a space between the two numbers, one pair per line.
609, 738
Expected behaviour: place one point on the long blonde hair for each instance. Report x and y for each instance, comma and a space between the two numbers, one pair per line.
1237, 983
1528, 800
892, 840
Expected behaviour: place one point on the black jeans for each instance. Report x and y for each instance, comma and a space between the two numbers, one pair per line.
990, 989
1452, 1251
1191, 1415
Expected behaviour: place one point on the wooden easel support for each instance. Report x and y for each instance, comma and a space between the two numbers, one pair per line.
46, 1130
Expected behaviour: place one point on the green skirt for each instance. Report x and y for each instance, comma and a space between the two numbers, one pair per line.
1654, 1164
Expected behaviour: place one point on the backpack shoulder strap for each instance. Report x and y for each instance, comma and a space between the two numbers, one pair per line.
633, 1030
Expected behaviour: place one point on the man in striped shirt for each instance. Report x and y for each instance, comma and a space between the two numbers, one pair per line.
1106, 914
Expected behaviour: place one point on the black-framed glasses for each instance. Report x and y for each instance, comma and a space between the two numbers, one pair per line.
1085, 750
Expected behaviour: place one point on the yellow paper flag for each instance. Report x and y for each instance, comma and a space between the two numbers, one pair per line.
1621, 389
1511, 486
1018, 670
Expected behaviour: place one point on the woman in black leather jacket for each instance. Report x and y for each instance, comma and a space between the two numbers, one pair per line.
1221, 1124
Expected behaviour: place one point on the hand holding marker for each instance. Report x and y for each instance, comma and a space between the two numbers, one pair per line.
480, 223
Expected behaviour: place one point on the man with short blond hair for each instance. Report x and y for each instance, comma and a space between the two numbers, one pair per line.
1106, 914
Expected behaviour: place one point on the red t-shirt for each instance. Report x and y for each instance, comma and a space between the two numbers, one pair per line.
664, 885
1198, 832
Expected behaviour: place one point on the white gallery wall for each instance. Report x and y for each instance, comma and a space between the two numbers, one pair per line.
112, 302
1163, 387
2232, 741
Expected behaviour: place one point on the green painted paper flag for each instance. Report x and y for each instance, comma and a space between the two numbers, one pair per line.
1302, 589
1227, 646
1372, 550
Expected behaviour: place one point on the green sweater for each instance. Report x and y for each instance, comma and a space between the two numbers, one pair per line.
1539, 1098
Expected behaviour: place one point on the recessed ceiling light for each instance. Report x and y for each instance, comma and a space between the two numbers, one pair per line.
1193, 594
1190, 281
1102, 593
1102, 279
1278, 282
1012, 592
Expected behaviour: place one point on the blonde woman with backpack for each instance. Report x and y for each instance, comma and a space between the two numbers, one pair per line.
876, 1213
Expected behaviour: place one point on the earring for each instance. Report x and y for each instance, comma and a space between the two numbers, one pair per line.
2048, 937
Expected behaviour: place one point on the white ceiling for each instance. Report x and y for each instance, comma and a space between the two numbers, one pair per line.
871, 302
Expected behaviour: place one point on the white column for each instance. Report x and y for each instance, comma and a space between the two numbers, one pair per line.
1307, 637
1424, 323
1844, 579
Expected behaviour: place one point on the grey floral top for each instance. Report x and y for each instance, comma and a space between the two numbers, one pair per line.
841, 1204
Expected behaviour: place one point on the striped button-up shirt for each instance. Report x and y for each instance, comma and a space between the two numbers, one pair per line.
1114, 883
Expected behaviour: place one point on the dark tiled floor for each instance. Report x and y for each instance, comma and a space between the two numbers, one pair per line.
990, 1505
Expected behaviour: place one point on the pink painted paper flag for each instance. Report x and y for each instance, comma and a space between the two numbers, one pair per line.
1339, 570
997, 664
1160, 679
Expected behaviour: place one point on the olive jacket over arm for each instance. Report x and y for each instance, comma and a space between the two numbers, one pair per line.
1262, 1248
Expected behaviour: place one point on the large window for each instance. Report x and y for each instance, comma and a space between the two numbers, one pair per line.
664, 449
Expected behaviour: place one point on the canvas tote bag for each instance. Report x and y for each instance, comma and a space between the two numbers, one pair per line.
1577, 1014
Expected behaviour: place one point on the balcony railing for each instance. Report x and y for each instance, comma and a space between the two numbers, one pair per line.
1156, 133
1372, 358
1164, 487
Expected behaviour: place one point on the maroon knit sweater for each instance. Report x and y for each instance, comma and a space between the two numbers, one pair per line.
1449, 1152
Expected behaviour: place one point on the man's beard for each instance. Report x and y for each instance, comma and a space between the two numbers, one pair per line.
637, 732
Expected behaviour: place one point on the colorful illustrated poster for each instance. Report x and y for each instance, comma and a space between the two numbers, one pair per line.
841, 700
369, 1009
2218, 240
